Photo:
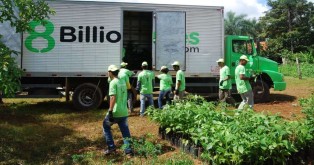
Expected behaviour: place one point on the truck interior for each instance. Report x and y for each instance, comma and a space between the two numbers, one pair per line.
137, 38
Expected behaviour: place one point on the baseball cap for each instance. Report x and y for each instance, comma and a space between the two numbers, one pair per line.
163, 67
244, 57
112, 68
221, 60
176, 63
144, 63
123, 64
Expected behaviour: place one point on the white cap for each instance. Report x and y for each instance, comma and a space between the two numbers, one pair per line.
123, 64
176, 63
221, 60
163, 67
144, 63
244, 57
112, 68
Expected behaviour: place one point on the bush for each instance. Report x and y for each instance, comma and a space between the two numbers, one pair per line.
235, 137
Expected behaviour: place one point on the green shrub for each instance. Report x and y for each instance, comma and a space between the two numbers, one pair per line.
235, 137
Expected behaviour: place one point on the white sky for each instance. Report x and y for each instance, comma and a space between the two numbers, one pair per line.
252, 8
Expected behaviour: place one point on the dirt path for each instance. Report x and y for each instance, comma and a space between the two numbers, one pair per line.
286, 103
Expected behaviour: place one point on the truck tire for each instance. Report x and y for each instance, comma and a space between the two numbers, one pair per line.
87, 96
260, 91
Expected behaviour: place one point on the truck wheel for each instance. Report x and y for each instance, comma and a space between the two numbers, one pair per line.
260, 91
87, 96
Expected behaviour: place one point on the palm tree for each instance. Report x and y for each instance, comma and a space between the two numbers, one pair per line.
240, 25
234, 24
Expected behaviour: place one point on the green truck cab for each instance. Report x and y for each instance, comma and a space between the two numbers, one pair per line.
265, 70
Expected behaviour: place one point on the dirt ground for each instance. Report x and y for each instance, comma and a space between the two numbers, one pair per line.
286, 103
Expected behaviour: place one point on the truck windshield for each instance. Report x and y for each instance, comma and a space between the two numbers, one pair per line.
242, 47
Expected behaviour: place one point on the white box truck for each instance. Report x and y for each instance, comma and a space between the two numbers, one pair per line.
77, 44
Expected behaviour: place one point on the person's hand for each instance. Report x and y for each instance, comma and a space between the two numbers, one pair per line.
221, 82
252, 78
110, 116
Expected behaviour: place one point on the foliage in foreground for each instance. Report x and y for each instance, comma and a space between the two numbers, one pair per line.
236, 137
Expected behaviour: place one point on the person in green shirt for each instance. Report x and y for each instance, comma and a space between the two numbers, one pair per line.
145, 84
165, 86
117, 113
127, 73
224, 82
243, 85
180, 81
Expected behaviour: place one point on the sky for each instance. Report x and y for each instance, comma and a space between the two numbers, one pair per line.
252, 8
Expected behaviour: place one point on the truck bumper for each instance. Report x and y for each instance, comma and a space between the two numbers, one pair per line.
279, 86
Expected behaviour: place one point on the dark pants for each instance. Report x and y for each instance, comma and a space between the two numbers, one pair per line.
124, 128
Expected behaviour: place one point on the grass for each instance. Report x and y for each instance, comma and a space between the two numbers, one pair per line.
43, 131
307, 70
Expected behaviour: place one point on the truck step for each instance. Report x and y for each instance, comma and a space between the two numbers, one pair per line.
40, 93
28, 86
38, 96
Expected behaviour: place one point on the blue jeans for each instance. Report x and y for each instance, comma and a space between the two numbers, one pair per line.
247, 98
130, 100
143, 99
162, 94
124, 128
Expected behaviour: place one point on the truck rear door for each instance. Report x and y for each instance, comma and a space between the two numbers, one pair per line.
170, 27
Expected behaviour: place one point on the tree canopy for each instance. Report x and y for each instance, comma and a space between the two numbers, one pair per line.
289, 27
18, 14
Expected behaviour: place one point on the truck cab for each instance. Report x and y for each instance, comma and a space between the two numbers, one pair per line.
265, 70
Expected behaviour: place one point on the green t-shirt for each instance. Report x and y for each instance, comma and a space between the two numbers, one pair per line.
123, 74
126, 71
117, 87
124, 77
224, 73
180, 77
146, 78
242, 85
165, 81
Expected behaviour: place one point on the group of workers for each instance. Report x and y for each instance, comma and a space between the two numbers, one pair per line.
242, 79
119, 92
121, 97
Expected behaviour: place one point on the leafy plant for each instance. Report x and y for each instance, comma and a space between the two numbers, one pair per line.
234, 137
145, 149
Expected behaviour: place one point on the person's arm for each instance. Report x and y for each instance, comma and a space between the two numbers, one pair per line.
242, 74
227, 72
227, 78
178, 85
112, 102
243, 77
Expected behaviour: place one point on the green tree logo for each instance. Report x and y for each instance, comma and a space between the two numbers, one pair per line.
49, 28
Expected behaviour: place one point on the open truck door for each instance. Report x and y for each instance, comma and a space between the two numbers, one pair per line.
170, 27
